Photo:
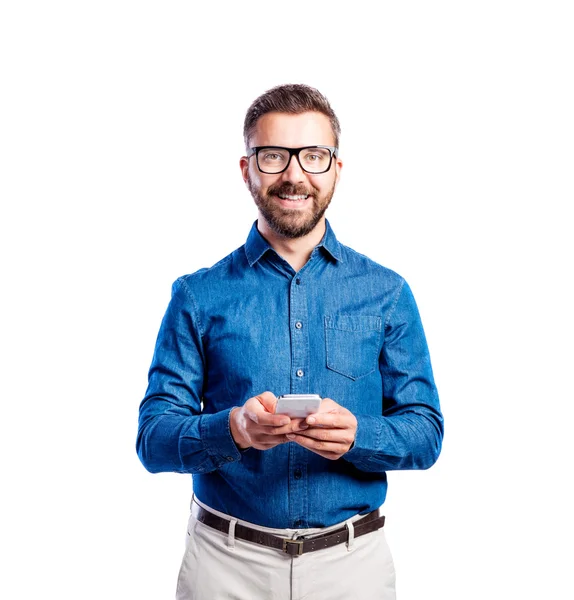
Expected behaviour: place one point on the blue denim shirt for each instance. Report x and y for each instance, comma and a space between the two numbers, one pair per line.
342, 327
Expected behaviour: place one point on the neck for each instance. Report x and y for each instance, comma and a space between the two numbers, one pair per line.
296, 251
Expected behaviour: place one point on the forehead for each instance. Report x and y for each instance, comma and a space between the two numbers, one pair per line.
293, 131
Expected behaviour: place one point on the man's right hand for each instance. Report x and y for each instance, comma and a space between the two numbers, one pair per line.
254, 425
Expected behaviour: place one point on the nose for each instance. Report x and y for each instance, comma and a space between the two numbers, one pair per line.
293, 173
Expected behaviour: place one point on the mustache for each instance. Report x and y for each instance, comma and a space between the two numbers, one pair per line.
288, 189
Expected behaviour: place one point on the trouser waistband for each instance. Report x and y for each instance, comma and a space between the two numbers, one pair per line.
366, 524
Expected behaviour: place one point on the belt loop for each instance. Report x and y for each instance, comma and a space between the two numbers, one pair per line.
351, 529
231, 535
192, 498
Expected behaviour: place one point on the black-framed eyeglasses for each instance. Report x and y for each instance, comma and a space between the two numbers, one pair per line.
275, 159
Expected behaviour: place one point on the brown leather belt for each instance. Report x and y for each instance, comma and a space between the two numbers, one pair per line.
367, 524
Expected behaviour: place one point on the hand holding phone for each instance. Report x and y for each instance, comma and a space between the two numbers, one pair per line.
297, 405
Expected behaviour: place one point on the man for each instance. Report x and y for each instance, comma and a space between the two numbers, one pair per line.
288, 507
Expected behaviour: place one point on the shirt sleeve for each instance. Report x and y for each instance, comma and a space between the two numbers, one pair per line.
408, 434
173, 435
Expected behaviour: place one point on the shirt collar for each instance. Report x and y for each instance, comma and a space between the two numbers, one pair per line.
256, 245
330, 243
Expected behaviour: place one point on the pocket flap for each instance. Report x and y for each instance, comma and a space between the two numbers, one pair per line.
353, 344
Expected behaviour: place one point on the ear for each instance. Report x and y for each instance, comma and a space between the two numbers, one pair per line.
338, 167
244, 165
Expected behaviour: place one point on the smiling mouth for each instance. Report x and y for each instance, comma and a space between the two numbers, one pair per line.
294, 198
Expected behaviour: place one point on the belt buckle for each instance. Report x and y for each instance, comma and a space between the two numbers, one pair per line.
299, 544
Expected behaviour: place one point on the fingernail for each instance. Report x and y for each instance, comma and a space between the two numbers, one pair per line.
310, 420
284, 422
291, 436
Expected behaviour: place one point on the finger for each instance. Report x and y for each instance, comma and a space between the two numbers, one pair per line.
325, 448
331, 419
281, 424
327, 405
338, 436
295, 425
298, 424
268, 400
265, 419
261, 409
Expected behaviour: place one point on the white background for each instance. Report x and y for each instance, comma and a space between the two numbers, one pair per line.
458, 145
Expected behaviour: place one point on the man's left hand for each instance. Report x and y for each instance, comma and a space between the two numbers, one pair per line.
331, 431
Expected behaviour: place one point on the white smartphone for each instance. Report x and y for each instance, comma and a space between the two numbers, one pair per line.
297, 405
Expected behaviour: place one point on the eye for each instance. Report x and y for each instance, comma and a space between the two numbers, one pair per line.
316, 155
272, 155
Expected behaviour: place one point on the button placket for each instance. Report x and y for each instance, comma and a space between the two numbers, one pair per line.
299, 337
298, 318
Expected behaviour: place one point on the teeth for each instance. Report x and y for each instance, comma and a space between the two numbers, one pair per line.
284, 197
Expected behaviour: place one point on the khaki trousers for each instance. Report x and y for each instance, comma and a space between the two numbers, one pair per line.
218, 566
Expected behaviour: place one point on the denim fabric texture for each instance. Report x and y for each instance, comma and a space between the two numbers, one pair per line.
343, 327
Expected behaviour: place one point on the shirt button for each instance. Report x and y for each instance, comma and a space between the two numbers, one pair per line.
298, 324
298, 523
298, 281
300, 373
298, 474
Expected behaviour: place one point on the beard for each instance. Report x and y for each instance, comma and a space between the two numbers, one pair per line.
286, 222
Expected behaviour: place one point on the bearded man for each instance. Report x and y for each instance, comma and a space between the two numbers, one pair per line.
289, 507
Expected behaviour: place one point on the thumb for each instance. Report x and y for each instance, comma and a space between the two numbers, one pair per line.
268, 400
329, 406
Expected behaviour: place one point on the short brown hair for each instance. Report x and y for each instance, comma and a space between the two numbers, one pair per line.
294, 98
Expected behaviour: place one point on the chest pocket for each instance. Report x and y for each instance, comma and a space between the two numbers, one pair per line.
353, 344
